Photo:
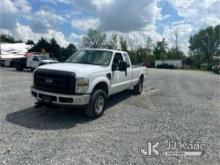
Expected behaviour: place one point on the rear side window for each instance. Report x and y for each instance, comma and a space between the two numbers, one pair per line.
126, 59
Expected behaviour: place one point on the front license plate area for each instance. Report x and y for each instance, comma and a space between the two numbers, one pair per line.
47, 99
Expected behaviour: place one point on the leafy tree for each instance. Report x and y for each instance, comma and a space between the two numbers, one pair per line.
205, 44
175, 54
68, 51
40, 45
8, 38
30, 42
71, 49
94, 39
55, 49
160, 50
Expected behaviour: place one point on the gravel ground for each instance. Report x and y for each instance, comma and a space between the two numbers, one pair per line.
176, 105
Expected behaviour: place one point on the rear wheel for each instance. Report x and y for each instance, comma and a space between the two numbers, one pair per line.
96, 106
139, 87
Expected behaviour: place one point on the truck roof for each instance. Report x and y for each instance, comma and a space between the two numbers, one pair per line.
110, 50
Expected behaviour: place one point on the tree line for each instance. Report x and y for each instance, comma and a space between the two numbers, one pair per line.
58, 52
203, 46
145, 54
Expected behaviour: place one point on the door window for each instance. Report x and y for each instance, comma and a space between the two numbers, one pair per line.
127, 59
118, 57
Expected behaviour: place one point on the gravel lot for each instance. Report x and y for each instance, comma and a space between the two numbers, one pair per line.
176, 105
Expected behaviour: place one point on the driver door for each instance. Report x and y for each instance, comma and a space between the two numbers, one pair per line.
118, 77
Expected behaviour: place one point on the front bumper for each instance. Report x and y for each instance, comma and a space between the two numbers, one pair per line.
61, 99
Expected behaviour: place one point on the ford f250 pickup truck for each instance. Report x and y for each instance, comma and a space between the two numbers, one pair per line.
87, 79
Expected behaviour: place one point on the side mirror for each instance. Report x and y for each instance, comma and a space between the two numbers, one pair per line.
123, 66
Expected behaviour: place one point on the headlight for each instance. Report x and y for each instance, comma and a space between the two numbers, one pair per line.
82, 85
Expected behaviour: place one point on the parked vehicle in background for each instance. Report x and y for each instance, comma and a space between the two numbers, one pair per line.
216, 64
168, 64
87, 79
10, 51
33, 60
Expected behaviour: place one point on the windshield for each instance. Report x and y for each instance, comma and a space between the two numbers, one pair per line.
93, 57
43, 57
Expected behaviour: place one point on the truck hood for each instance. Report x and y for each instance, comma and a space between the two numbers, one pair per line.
81, 70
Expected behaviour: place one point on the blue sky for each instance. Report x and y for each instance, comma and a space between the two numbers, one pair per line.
68, 20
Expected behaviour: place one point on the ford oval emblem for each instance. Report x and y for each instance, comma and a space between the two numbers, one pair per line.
49, 81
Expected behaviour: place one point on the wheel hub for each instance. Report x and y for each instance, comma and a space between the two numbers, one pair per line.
99, 105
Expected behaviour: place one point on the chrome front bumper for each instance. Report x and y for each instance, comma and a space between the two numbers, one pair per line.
60, 99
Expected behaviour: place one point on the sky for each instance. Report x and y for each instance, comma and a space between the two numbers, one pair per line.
68, 20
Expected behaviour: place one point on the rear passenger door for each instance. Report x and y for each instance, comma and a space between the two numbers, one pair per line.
128, 78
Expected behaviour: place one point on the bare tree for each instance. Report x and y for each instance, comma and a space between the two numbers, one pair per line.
123, 43
133, 42
94, 39
113, 42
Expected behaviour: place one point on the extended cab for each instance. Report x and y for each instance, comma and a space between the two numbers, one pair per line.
87, 79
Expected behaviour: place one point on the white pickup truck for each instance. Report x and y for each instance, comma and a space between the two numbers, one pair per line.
87, 79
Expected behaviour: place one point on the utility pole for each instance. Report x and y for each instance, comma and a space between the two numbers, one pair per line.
176, 41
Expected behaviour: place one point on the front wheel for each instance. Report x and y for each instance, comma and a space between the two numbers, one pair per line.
97, 103
139, 87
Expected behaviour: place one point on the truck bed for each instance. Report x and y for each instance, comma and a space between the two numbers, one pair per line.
137, 66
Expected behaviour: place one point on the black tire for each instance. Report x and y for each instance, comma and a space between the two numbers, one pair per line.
92, 110
139, 87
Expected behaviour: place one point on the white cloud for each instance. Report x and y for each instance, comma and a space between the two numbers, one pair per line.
10, 11
163, 17
131, 18
195, 15
75, 38
59, 37
44, 20
23, 6
85, 23
126, 16
25, 32
199, 13
183, 30
115, 15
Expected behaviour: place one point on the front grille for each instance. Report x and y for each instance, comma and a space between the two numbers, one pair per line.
55, 81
